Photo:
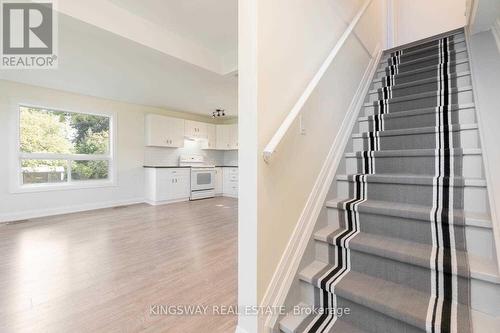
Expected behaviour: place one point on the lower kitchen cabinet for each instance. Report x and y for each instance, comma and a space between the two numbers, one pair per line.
219, 179
165, 185
230, 182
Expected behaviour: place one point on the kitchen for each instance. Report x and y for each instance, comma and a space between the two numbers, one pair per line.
190, 160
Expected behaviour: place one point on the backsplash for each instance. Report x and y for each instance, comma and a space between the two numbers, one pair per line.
170, 156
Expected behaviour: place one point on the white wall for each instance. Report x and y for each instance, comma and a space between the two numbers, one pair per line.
417, 19
280, 51
486, 70
130, 152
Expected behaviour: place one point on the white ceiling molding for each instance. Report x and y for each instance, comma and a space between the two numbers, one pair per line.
110, 17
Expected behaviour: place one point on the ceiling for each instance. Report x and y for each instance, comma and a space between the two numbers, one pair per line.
96, 62
211, 23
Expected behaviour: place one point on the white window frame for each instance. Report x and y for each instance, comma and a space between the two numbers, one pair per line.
19, 187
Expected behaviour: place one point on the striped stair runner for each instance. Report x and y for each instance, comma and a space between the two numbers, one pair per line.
394, 256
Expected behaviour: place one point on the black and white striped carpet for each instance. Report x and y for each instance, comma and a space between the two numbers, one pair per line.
445, 277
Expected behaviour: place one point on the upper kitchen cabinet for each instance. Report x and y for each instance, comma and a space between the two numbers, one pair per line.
227, 137
164, 131
195, 130
211, 141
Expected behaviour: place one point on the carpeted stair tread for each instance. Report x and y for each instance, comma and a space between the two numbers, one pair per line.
432, 68
419, 96
341, 326
414, 212
416, 112
413, 179
417, 130
457, 33
393, 300
426, 58
417, 152
417, 83
423, 49
383, 68
291, 321
412, 253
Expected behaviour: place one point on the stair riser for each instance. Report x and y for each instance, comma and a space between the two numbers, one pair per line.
421, 102
412, 276
462, 116
459, 82
420, 74
472, 165
424, 62
475, 198
479, 240
378, 322
456, 37
466, 138
457, 44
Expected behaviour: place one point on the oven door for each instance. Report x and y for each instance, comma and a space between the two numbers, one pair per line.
202, 179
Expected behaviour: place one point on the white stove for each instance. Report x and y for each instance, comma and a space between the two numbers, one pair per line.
202, 176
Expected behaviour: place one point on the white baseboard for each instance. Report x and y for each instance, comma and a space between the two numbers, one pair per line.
31, 214
287, 268
166, 202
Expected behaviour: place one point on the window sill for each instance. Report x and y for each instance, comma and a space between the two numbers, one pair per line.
63, 187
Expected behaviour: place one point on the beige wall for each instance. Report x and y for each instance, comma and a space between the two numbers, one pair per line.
129, 155
417, 19
292, 45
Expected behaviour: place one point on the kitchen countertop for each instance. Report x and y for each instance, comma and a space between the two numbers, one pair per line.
166, 167
179, 167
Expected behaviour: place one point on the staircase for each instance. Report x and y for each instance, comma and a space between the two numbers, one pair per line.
407, 245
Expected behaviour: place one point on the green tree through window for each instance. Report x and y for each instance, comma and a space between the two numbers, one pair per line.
57, 132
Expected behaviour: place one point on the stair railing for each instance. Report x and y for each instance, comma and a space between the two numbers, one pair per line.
297, 108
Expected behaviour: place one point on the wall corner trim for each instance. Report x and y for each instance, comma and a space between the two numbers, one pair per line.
288, 266
495, 29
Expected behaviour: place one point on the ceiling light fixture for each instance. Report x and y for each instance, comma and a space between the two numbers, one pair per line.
219, 113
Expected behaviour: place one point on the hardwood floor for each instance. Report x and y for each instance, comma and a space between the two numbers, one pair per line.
102, 271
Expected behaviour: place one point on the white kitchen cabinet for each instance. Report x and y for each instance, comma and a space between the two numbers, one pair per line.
195, 130
227, 137
164, 131
211, 141
233, 136
166, 185
219, 181
230, 182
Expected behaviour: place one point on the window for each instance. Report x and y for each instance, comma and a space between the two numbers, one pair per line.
63, 148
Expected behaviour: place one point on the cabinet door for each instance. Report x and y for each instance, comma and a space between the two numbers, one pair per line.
176, 130
233, 135
164, 185
157, 129
190, 129
218, 180
181, 184
221, 134
201, 130
211, 142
